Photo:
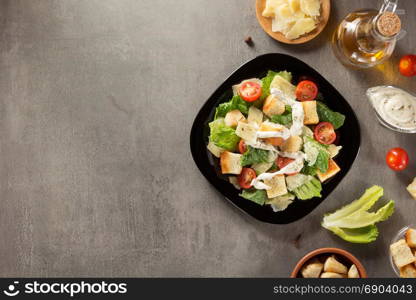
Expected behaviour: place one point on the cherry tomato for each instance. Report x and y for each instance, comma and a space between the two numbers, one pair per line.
306, 90
250, 91
407, 65
282, 162
324, 133
245, 177
397, 159
242, 148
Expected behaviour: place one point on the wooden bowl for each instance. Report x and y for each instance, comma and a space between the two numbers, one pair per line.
266, 23
344, 256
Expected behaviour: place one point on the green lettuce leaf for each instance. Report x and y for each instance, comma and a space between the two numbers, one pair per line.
317, 155
235, 103
285, 118
257, 196
309, 170
360, 218
309, 190
223, 136
362, 235
327, 115
364, 203
266, 81
254, 156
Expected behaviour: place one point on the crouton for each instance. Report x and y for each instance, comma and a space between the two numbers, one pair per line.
333, 169
275, 141
353, 272
332, 275
292, 144
230, 163
278, 186
255, 115
408, 271
410, 236
411, 188
312, 269
332, 265
311, 115
273, 106
401, 253
233, 117
247, 131
214, 149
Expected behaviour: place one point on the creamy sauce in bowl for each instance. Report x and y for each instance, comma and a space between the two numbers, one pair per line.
395, 107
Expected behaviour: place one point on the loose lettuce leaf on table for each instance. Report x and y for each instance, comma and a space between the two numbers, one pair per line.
223, 136
257, 196
254, 156
362, 235
327, 115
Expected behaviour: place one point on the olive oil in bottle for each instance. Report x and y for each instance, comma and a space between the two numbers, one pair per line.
366, 38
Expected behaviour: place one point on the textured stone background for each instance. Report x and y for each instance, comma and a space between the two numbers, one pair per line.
96, 177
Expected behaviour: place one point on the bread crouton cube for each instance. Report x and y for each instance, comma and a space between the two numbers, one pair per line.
255, 115
214, 149
411, 188
312, 269
230, 163
408, 271
273, 106
246, 131
292, 144
275, 141
332, 275
410, 237
401, 253
310, 113
353, 272
233, 117
277, 186
333, 169
332, 265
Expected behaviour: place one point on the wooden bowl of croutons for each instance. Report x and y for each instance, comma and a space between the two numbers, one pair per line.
329, 263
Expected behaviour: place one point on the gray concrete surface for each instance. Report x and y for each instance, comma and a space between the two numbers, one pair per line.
97, 99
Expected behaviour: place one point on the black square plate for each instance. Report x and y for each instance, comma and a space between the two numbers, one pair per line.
349, 135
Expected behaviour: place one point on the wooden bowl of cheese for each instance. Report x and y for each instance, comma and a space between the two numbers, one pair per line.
293, 21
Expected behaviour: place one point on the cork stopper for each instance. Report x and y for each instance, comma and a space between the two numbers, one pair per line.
389, 24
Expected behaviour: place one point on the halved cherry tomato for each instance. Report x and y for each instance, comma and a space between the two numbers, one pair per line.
407, 65
324, 133
242, 148
250, 91
306, 90
245, 177
282, 162
397, 159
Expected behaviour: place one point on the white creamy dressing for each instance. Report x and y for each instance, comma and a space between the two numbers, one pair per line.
283, 131
293, 167
395, 106
297, 110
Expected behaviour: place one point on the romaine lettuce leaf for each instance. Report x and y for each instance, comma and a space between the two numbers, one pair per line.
309, 189
327, 115
266, 81
254, 156
317, 154
364, 203
235, 103
257, 196
361, 218
223, 136
362, 235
